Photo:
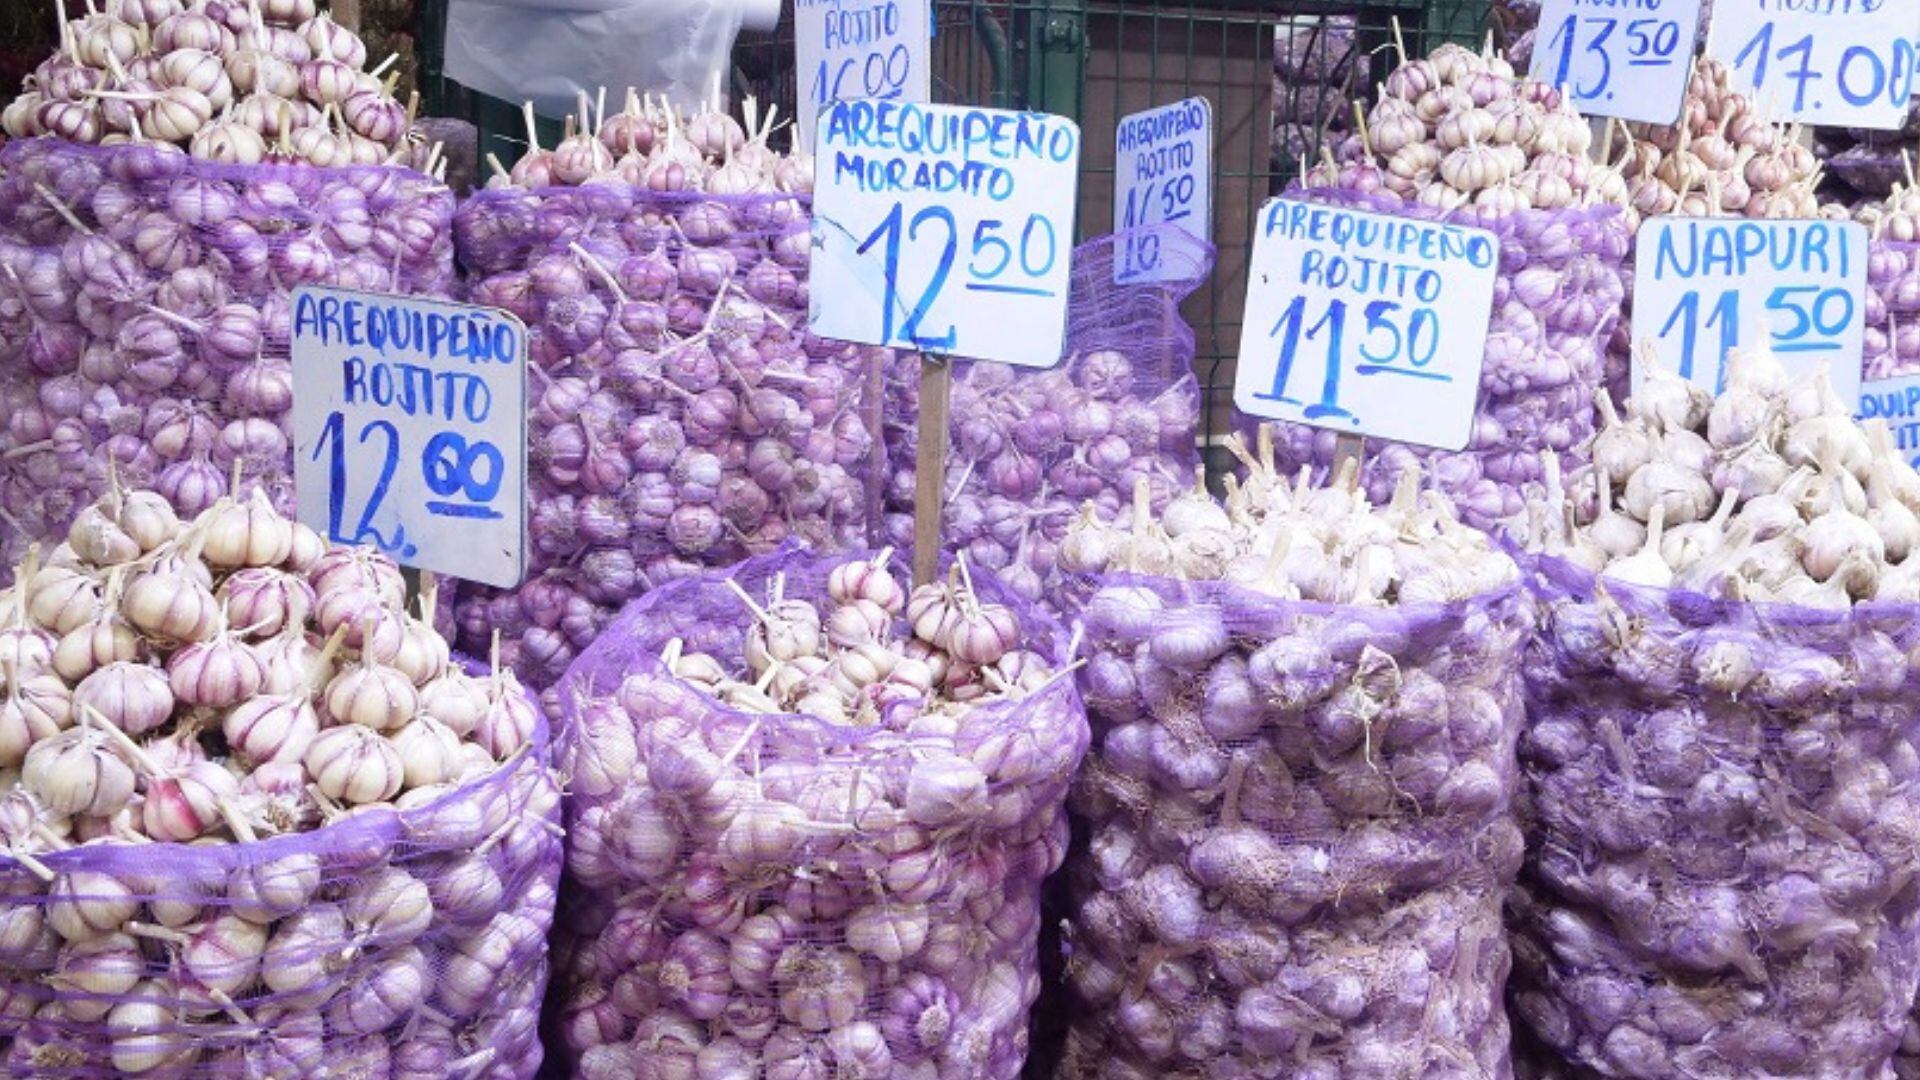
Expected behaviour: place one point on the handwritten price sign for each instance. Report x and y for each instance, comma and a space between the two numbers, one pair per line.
410, 430
850, 49
1705, 285
1163, 175
1844, 63
1366, 324
1632, 64
944, 228
1897, 401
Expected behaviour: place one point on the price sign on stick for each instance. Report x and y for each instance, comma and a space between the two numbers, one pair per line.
1163, 174
1896, 401
949, 230
851, 49
1366, 324
410, 430
1704, 286
1841, 63
944, 228
1630, 62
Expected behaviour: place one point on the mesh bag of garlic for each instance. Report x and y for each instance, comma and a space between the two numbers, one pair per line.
1456, 137
1297, 809
1892, 341
233, 849
145, 312
1722, 785
1029, 448
1318, 69
832, 869
241, 152
683, 416
1864, 165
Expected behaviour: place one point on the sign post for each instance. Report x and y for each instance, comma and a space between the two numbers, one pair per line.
1705, 285
1633, 66
1163, 175
947, 230
1366, 324
410, 430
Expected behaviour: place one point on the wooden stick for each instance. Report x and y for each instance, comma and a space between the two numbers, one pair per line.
1348, 448
930, 465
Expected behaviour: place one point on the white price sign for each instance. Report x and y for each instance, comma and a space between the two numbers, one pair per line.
1839, 63
1366, 324
1897, 401
1703, 286
410, 430
1632, 64
944, 228
852, 49
1163, 175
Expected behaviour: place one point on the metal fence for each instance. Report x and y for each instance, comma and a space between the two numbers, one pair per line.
1099, 60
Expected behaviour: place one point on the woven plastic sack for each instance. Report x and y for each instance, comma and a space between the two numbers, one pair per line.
682, 417
1892, 343
1723, 806
409, 945
1030, 448
776, 896
144, 314
1555, 302
1296, 849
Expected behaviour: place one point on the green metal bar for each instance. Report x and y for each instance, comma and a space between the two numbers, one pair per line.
1057, 57
993, 38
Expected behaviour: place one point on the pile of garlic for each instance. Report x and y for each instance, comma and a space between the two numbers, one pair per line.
842, 662
1722, 157
1771, 492
1458, 128
241, 83
1299, 542
231, 677
654, 146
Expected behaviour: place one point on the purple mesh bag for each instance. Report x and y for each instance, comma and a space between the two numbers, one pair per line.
682, 416
1893, 310
1030, 448
1723, 802
406, 944
1297, 836
1318, 70
1555, 303
144, 314
771, 895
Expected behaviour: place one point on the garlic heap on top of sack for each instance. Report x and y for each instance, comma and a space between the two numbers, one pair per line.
231, 677
1771, 492
235, 81
1298, 541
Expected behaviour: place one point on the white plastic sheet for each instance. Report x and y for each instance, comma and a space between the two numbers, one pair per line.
547, 51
